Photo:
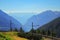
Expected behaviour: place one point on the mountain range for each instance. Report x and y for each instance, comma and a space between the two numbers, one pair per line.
6, 21
38, 20
41, 19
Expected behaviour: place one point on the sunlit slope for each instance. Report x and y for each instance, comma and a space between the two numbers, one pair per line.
10, 36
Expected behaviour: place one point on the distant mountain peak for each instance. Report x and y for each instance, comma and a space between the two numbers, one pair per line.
48, 11
41, 19
1, 11
7, 21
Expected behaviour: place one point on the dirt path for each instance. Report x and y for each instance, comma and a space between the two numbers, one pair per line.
47, 38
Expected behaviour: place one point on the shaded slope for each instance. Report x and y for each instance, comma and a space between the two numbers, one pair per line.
53, 25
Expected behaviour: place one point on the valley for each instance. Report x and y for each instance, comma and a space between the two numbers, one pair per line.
43, 26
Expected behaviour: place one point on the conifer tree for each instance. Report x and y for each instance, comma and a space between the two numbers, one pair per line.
21, 30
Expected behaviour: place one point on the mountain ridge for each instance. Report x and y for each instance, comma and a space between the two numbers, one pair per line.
41, 19
5, 20
53, 25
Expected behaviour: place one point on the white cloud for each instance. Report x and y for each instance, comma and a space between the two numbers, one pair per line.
18, 11
22, 11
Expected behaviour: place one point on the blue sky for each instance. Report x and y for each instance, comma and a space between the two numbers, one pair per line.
12, 6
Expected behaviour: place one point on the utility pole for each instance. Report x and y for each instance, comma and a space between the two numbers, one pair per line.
52, 33
33, 26
10, 25
33, 29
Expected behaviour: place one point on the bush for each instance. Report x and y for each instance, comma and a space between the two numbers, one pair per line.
4, 37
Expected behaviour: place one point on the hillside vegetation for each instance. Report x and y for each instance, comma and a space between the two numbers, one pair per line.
10, 36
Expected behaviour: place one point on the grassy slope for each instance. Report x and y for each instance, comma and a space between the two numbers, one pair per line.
13, 36
10, 36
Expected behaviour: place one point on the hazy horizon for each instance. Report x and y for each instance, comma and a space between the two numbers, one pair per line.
29, 6
19, 8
